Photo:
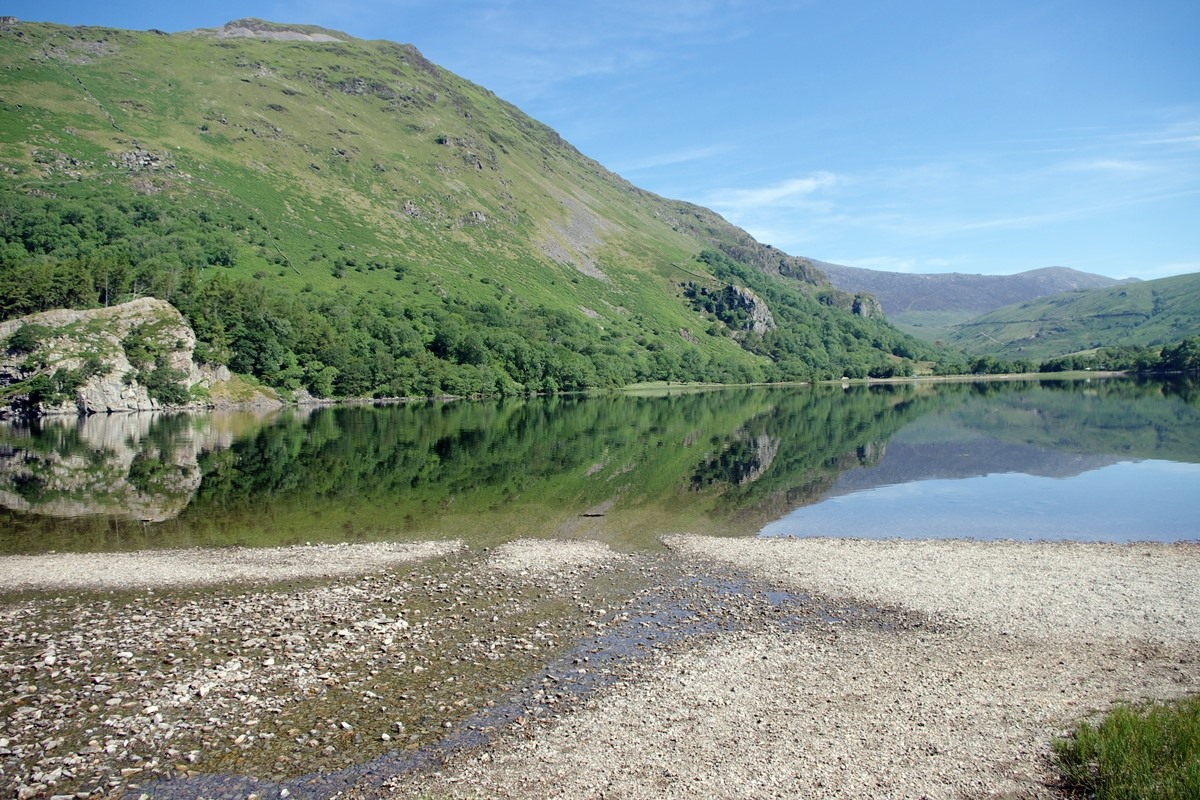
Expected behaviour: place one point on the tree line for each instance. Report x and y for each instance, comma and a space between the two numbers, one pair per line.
86, 246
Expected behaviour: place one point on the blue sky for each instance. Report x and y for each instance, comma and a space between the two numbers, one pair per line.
917, 136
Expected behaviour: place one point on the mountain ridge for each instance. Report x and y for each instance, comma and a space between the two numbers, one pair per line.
901, 292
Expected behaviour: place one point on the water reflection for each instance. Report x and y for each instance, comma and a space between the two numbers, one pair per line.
1130, 501
623, 469
1113, 461
142, 467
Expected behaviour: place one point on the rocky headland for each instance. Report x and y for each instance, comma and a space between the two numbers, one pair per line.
136, 356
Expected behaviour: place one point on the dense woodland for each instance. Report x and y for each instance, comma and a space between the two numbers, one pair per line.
105, 246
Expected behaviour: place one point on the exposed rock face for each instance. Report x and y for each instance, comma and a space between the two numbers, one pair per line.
761, 319
94, 341
576, 239
866, 305
251, 28
739, 308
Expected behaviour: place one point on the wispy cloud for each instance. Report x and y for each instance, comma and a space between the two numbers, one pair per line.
974, 192
790, 193
1111, 166
538, 49
672, 158
1185, 132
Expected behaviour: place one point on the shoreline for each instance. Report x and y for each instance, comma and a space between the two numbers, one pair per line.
140, 570
8, 414
717, 668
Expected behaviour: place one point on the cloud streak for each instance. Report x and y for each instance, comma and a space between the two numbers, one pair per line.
790, 193
990, 192
549, 47
687, 155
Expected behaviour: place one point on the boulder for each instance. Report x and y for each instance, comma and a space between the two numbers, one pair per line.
94, 343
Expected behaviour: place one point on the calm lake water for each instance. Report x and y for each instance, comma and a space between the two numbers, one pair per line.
1103, 460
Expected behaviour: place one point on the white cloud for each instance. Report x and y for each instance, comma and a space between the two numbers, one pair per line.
1111, 166
1184, 132
672, 158
789, 193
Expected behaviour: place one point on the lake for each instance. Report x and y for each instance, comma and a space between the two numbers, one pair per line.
1098, 460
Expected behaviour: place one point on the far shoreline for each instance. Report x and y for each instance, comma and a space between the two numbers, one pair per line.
649, 389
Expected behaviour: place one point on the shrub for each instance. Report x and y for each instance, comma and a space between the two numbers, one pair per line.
165, 384
26, 339
1135, 753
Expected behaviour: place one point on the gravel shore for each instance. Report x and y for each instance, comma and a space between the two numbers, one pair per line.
149, 569
1011, 643
718, 668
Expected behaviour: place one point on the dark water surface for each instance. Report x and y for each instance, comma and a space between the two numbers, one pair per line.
1112, 460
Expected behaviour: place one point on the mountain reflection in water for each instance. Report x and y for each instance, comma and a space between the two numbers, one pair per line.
1093, 461
622, 468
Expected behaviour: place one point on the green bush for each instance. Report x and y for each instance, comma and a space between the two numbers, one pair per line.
26, 339
61, 385
1149, 752
165, 384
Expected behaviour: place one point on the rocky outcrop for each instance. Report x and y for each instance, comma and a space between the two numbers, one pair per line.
251, 28
866, 305
739, 308
761, 319
82, 362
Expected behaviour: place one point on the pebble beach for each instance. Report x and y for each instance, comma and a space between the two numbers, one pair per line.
712, 668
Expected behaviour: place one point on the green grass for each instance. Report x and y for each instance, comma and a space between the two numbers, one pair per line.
1142, 752
930, 325
354, 182
1162, 311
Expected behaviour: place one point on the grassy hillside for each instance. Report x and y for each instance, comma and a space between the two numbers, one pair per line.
345, 217
1159, 312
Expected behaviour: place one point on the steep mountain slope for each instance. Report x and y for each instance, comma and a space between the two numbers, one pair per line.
927, 304
1163, 311
346, 217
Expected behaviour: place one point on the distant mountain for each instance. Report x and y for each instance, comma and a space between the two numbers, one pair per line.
901, 292
345, 217
927, 304
1164, 311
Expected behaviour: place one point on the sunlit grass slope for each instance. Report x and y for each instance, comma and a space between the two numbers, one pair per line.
1156, 312
342, 179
